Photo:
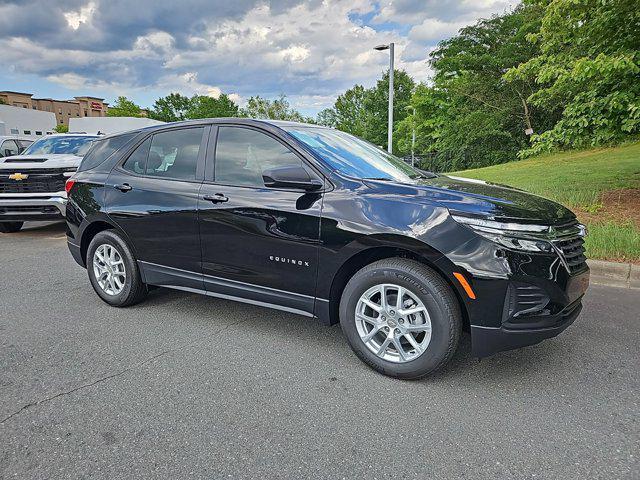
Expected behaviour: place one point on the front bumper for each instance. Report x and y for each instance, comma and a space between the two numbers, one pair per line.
490, 340
15, 208
520, 299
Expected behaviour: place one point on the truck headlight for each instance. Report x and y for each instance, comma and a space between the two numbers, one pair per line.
514, 236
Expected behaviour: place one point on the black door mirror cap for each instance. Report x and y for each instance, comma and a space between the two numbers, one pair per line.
290, 176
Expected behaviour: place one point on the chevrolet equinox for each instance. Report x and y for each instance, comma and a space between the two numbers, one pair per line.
317, 222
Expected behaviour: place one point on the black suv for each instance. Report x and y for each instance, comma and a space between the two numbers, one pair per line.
317, 222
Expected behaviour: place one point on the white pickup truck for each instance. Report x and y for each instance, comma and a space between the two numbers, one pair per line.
32, 183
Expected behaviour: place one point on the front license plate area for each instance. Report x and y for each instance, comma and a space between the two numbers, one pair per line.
577, 286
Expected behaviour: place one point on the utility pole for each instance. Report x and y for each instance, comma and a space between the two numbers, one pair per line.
390, 130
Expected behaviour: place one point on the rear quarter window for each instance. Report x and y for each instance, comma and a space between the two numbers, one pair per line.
103, 149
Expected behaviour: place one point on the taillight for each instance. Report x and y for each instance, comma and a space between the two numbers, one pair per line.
68, 185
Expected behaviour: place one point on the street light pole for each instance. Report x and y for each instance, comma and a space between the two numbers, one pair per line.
390, 129
390, 133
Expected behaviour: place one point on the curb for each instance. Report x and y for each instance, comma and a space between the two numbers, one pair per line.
625, 275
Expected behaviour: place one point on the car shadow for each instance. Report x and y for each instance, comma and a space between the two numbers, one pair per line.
545, 359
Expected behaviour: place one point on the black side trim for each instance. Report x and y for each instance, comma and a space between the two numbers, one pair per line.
232, 290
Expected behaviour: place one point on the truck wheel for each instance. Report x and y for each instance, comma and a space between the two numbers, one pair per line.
113, 270
401, 318
10, 227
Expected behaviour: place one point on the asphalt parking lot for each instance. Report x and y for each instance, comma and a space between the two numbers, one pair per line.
190, 386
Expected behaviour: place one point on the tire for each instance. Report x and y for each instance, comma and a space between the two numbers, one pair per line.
418, 283
127, 287
10, 227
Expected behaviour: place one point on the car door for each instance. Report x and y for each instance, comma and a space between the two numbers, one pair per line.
153, 196
259, 244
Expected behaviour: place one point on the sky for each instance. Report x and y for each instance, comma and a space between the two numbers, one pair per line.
309, 50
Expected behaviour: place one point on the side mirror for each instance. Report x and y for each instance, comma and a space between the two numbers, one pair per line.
7, 152
291, 176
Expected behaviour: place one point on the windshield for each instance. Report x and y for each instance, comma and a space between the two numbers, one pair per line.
55, 145
353, 156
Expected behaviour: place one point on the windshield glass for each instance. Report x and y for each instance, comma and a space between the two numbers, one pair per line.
353, 156
55, 145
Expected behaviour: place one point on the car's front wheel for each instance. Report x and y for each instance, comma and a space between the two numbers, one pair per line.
10, 227
401, 318
113, 270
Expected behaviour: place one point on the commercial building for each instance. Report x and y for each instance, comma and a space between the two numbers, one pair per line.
79, 107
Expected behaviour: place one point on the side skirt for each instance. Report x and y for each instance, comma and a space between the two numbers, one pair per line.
184, 280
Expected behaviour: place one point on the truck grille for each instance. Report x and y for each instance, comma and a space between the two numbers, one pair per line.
571, 246
40, 180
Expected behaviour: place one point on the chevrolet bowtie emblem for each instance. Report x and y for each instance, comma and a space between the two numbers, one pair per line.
18, 176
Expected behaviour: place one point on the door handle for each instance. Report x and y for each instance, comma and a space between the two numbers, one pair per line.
124, 187
216, 198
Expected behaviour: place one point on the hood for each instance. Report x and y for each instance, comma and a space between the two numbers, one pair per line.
493, 201
39, 161
469, 197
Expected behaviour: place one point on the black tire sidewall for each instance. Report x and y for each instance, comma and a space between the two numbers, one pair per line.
440, 312
132, 274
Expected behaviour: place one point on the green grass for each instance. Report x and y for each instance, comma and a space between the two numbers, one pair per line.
577, 180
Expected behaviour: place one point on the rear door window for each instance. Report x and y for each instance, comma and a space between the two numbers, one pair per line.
174, 154
103, 149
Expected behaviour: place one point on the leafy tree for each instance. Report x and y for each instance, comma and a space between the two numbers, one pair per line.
589, 64
350, 112
61, 128
171, 108
123, 107
203, 106
471, 116
278, 109
376, 104
326, 117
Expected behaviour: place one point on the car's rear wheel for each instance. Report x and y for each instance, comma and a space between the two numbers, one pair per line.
113, 270
10, 227
401, 318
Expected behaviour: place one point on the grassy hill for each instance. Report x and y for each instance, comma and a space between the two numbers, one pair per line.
602, 186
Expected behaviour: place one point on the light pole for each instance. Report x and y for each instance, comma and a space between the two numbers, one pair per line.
390, 132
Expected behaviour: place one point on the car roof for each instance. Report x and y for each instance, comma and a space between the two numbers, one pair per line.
233, 120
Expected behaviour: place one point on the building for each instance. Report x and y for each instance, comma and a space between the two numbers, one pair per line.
63, 109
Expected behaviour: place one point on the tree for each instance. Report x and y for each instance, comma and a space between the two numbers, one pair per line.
350, 112
589, 65
171, 108
61, 128
326, 117
471, 117
123, 107
202, 106
278, 109
376, 104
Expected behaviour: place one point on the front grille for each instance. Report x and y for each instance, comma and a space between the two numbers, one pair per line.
572, 250
40, 180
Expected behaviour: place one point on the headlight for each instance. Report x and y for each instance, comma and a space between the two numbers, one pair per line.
514, 236
69, 171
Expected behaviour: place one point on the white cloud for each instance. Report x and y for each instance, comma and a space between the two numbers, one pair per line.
309, 50
84, 15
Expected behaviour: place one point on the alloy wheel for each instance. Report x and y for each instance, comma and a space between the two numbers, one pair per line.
393, 323
109, 269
